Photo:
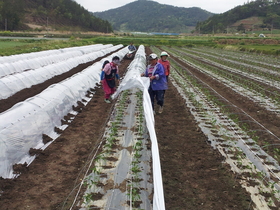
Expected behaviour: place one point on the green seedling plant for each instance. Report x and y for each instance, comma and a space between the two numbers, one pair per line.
87, 198
133, 194
95, 170
89, 183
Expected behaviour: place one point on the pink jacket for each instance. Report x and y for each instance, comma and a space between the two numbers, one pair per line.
108, 67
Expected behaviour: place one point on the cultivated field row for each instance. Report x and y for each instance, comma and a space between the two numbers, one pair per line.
261, 87
235, 117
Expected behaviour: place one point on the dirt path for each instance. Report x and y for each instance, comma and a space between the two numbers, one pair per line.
193, 174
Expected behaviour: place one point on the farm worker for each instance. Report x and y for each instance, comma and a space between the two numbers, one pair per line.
158, 85
131, 47
108, 77
166, 64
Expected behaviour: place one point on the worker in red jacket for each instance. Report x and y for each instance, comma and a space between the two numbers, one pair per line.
166, 64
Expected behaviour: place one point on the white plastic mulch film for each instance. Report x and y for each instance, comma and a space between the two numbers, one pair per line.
16, 75
22, 126
131, 80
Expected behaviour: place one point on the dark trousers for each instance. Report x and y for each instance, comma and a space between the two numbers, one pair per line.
158, 94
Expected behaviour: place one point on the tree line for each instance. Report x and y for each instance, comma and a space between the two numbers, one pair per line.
269, 10
13, 14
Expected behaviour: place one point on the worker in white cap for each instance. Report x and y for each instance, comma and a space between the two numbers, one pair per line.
155, 71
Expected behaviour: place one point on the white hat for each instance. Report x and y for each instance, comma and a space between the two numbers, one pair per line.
152, 56
164, 54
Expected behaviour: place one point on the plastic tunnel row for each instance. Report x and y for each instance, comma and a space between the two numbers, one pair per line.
134, 80
23, 62
11, 84
22, 127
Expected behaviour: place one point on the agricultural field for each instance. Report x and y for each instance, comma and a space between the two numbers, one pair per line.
218, 140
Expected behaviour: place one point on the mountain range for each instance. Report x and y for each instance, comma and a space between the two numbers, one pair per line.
151, 16
137, 16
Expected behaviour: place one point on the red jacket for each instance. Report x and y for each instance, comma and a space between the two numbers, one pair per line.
166, 65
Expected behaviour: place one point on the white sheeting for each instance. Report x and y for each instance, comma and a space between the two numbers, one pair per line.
19, 80
30, 61
22, 126
132, 79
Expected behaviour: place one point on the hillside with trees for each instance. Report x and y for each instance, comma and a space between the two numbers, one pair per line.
265, 12
55, 14
150, 16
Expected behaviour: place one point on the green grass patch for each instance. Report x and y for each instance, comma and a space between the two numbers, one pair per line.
12, 47
10, 44
18, 46
265, 49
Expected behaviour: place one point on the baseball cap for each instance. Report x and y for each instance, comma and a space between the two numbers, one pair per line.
152, 56
164, 53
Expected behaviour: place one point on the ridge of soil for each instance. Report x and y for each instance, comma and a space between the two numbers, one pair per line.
236, 102
194, 176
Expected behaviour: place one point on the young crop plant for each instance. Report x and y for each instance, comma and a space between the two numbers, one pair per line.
133, 191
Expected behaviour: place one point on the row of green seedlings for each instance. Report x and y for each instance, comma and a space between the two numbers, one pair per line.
244, 82
93, 179
253, 69
264, 185
134, 188
239, 155
193, 59
241, 81
246, 58
235, 117
247, 129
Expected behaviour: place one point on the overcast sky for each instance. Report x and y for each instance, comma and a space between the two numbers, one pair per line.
214, 6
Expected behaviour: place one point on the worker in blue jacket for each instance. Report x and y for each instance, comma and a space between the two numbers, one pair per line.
155, 71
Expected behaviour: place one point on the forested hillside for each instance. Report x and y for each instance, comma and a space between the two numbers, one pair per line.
57, 14
150, 16
266, 10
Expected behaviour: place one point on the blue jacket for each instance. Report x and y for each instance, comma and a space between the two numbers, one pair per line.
159, 83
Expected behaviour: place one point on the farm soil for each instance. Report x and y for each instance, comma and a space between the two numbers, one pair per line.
194, 175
